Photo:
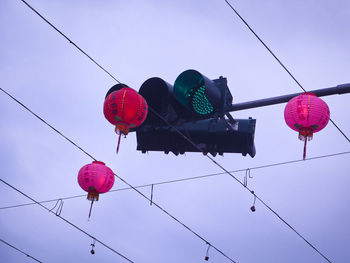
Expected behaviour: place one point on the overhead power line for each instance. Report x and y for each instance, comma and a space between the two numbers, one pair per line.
207, 157
278, 60
183, 179
24, 253
46, 123
215, 162
132, 187
247, 188
70, 41
68, 222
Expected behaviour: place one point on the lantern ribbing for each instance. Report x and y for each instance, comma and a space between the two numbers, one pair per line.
306, 114
124, 108
95, 178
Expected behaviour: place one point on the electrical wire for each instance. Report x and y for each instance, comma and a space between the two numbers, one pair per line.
215, 162
264, 44
24, 253
177, 220
162, 209
132, 187
65, 220
182, 179
278, 60
70, 41
250, 191
46, 123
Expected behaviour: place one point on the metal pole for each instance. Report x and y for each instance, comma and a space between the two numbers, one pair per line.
340, 89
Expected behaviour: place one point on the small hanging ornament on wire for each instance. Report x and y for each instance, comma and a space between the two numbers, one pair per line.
95, 178
306, 114
92, 251
253, 206
124, 108
207, 253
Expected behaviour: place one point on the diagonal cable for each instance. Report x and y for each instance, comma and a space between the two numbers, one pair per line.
235, 178
194, 145
81, 149
70, 41
24, 253
278, 60
65, 220
181, 179
184, 135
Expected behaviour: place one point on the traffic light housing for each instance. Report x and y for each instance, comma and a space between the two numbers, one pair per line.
208, 136
195, 107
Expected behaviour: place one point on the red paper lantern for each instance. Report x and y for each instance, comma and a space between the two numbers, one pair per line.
95, 178
306, 114
125, 108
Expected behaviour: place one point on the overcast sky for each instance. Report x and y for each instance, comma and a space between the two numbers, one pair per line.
136, 40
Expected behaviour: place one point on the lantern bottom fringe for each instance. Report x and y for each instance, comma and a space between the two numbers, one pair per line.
304, 154
305, 134
120, 129
92, 202
92, 196
120, 135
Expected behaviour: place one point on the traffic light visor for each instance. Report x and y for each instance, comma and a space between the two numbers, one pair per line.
197, 93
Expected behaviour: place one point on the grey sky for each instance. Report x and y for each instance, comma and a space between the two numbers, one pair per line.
136, 40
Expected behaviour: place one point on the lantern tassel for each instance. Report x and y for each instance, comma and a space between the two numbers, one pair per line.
304, 154
92, 202
120, 135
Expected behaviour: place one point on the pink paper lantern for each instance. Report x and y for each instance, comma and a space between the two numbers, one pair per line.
306, 114
95, 178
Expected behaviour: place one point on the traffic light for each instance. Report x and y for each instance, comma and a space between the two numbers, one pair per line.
201, 96
194, 107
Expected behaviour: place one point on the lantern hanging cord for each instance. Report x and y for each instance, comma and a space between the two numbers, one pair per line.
24, 253
183, 179
92, 202
277, 59
120, 135
65, 220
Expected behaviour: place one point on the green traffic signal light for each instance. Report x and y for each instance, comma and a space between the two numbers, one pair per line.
197, 93
200, 102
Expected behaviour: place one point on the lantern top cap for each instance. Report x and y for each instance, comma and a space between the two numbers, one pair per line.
121, 89
308, 93
99, 162
118, 87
